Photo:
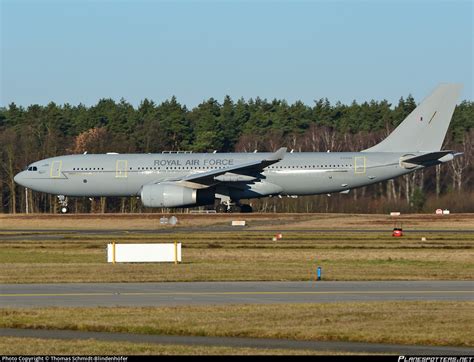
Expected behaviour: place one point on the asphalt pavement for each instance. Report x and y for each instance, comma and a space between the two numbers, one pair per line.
205, 293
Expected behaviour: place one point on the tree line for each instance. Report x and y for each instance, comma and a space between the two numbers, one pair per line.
35, 132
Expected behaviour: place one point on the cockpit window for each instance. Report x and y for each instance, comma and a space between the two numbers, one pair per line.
32, 168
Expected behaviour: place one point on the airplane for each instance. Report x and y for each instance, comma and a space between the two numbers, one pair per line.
186, 179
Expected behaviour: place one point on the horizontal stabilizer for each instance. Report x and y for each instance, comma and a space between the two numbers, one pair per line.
428, 159
432, 156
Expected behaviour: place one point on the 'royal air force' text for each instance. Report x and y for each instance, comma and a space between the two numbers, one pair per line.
196, 162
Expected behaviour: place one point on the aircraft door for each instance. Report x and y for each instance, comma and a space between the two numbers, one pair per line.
359, 165
55, 170
121, 169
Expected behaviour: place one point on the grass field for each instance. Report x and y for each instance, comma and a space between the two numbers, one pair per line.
241, 256
36, 346
266, 221
422, 323
212, 251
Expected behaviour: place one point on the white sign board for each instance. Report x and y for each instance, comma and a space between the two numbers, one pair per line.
143, 253
238, 222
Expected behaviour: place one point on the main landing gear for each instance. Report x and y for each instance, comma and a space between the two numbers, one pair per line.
63, 204
233, 208
221, 208
227, 205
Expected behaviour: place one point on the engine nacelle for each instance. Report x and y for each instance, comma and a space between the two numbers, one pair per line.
171, 195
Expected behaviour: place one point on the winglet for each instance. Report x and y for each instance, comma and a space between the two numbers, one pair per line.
278, 155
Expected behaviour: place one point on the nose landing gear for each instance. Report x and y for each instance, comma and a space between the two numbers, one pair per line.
63, 204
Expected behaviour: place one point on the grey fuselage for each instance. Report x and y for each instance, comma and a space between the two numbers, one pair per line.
305, 173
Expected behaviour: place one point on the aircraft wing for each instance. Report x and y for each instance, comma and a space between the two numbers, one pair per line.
244, 172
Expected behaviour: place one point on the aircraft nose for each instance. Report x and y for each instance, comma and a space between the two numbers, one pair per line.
19, 177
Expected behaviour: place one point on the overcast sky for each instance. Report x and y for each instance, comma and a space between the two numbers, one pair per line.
81, 51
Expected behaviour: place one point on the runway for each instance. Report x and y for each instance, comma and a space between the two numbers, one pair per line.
202, 293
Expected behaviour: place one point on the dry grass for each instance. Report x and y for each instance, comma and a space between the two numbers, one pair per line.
256, 220
381, 222
424, 323
127, 221
35, 346
245, 256
239, 255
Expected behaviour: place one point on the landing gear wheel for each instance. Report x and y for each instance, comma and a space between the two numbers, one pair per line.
235, 208
221, 208
246, 208
63, 204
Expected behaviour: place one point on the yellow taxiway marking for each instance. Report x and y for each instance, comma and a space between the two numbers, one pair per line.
227, 293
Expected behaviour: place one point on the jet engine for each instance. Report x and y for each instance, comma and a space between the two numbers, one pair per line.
172, 195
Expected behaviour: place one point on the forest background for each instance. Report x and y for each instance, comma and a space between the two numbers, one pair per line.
35, 132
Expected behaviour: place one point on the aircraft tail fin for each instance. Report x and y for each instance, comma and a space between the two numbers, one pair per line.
425, 127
